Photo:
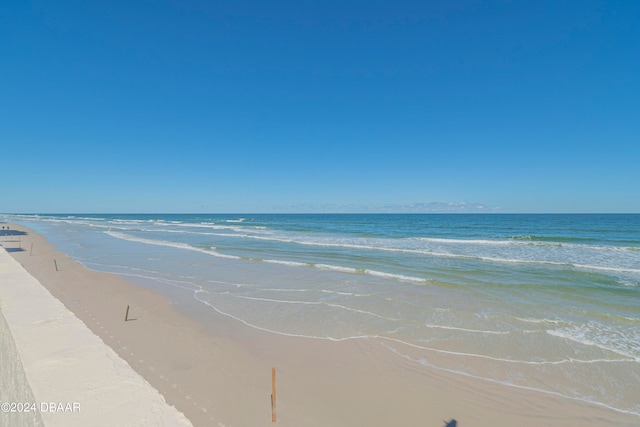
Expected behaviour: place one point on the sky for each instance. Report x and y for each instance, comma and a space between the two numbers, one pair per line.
319, 106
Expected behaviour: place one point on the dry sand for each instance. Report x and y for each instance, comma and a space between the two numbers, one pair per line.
218, 371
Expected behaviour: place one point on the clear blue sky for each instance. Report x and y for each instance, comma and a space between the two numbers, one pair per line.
296, 106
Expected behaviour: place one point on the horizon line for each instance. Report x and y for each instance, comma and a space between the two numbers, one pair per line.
320, 213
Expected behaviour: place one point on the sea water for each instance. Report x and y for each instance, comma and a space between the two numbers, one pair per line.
547, 302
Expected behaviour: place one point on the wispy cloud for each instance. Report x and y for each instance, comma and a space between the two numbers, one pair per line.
423, 207
440, 207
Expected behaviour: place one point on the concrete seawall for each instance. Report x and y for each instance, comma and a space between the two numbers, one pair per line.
14, 386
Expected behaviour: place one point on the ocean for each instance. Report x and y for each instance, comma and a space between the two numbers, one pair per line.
545, 302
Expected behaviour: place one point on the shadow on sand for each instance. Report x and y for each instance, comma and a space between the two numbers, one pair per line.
7, 239
13, 249
7, 232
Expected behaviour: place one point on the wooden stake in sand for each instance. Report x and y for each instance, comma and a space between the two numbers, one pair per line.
56, 264
273, 395
126, 316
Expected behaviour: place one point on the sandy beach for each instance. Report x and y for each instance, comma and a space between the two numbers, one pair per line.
217, 371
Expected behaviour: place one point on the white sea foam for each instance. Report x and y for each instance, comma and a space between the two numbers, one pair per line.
189, 286
129, 221
382, 274
465, 241
278, 301
445, 247
213, 226
176, 245
540, 321
410, 344
567, 360
604, 337
260, 328
213, 252
478, 331
505, 360
236, 220
287, 263
395, 276
604, 268
340, 269
392, 245
300, 290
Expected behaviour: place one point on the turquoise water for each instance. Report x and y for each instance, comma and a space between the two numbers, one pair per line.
549, 302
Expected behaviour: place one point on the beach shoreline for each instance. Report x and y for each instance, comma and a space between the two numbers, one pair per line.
217, 371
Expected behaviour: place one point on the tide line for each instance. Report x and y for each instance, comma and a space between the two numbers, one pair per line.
313, 303
509, 384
